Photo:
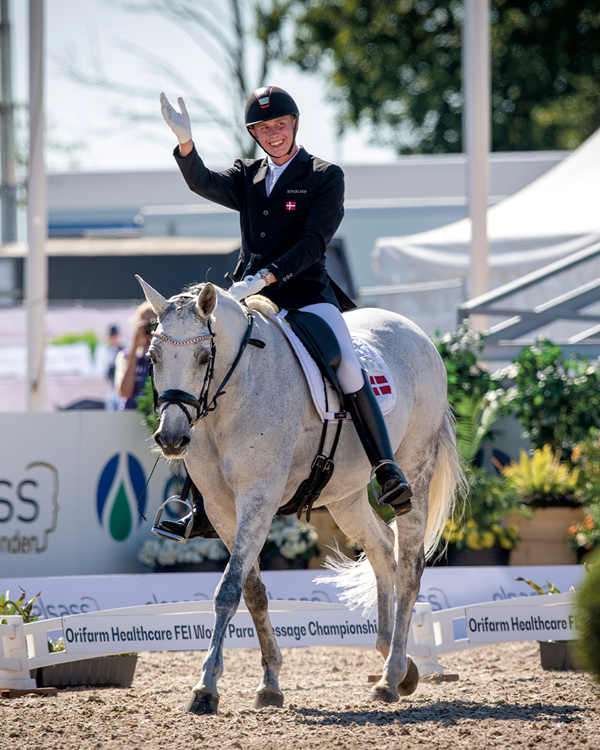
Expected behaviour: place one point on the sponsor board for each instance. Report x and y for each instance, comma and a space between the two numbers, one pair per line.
191, 632
69, 489
542, 623
443, 588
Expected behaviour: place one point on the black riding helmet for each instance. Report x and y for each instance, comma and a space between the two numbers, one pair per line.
267, 103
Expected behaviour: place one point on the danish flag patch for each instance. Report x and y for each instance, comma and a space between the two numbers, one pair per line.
290, 206
380, 385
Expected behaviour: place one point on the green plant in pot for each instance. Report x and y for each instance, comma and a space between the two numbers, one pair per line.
543, 480
477, 533
551, 489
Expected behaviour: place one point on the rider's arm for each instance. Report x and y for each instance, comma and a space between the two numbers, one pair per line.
324, 217
225, 188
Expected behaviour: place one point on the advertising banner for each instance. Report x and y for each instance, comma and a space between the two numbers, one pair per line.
443, 588
192, 632
524, 623
69, 489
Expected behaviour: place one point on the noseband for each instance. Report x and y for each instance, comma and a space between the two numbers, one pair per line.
182, 399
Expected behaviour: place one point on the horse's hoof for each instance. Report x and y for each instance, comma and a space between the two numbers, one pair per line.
268, 699
410, 682
383, 695
202, 702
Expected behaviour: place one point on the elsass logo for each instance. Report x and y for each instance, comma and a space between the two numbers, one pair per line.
121, 483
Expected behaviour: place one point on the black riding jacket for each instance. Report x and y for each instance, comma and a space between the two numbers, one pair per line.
289, 230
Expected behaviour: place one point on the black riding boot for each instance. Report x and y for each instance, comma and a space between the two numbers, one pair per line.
201, 526
373, 434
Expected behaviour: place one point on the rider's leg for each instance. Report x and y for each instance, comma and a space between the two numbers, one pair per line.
362, 404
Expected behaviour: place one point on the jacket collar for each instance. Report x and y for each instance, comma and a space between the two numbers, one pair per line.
296, 168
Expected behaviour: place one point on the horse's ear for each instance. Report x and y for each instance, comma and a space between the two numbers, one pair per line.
158, 302
207, 301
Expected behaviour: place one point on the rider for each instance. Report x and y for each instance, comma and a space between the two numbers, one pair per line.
291, 203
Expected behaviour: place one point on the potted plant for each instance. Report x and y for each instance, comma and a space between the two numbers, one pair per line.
477, 533
550, 488
554, 655
8, 608
102, 671
584, 536
99, 671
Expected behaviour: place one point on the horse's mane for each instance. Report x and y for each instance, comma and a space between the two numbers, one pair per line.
261, 304
256, 302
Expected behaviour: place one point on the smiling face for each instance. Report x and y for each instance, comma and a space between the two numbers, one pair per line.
276, 137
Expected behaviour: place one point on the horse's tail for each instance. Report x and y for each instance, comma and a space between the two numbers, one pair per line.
356, 578
447, 482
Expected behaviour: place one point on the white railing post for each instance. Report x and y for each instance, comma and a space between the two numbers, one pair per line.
422, 635
14, 668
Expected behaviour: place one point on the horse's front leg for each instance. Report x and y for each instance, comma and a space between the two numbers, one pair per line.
268, 692
253, 526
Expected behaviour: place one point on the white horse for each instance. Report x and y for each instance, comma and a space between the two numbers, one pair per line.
248, 457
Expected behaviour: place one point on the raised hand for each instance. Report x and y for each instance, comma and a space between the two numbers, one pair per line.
179, 122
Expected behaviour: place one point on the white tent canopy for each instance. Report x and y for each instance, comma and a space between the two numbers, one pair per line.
552, 217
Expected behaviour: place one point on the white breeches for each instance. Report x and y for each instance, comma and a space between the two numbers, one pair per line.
350, 372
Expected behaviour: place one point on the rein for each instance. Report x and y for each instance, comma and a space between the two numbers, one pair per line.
182, 399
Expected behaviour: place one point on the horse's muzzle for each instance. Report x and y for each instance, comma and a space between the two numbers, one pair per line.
172, 446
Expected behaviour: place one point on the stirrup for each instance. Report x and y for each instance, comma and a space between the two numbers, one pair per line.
158, 529
399, 508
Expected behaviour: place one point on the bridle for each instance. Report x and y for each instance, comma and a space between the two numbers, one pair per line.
183, 399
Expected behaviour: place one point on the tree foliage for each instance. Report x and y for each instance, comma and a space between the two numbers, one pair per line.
397, 65
242, 36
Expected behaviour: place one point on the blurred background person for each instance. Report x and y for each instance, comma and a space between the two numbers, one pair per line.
132, 365
111, 400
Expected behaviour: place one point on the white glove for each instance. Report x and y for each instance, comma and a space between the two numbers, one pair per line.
179, 122
250, 285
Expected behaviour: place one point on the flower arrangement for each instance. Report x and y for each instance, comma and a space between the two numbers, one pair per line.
585, 536
288, 538
479, 523
160, 553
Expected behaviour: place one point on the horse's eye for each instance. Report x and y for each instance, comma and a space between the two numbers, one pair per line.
203, 358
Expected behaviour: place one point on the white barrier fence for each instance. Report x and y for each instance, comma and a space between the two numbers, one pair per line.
187, 626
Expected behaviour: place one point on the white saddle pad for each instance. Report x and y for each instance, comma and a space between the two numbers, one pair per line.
379, 374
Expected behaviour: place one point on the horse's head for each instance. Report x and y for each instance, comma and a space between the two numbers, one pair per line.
181, 353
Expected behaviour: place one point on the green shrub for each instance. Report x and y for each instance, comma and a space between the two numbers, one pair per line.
556, 399
88, 337
461, 351
145, 406
588, 618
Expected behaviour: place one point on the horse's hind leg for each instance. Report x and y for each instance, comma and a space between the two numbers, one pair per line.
400, 675
359, 522
255, 596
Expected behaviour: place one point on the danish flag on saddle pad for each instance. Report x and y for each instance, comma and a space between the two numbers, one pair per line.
380, 385
290, 206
